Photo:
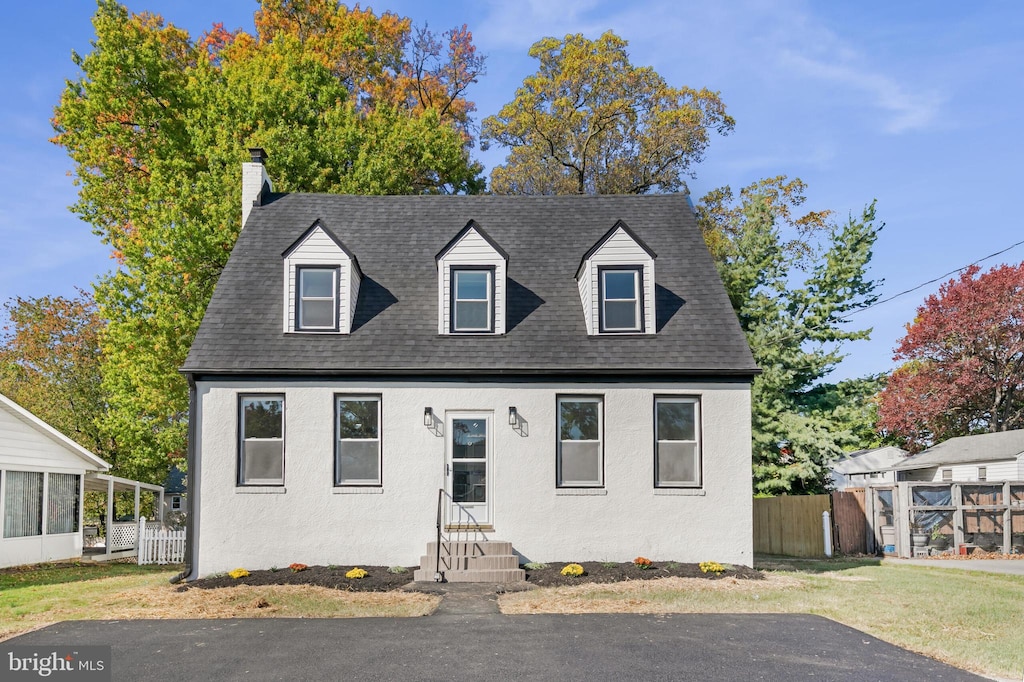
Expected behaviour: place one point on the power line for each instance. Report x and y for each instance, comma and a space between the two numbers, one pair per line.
931, 281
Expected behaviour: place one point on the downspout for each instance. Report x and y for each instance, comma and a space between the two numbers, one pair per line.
193, 487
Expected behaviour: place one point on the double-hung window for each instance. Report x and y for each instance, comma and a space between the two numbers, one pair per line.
621, 309
580, 442
261, 440
677, 459
357, 450
317, 299
472, 298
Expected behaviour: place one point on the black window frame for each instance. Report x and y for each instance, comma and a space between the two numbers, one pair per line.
638, 270
338, 398
240, 440
698, 433
491, 271
336, 271
579, 397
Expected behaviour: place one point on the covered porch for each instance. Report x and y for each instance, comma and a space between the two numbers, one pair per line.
119, 538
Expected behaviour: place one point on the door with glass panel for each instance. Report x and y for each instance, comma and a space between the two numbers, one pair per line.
468, 455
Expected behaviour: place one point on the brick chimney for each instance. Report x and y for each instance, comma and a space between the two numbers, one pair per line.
255, 182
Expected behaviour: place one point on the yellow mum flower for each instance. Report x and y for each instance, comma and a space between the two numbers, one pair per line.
356, 573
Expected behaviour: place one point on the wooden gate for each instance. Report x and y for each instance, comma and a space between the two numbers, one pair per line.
790, 525
849, 521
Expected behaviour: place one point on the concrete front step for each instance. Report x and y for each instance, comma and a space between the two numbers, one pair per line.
471, 562
502, 575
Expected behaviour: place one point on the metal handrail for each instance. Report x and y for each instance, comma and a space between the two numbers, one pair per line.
438, 574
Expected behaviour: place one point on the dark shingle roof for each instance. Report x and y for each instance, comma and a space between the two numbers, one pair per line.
395, 325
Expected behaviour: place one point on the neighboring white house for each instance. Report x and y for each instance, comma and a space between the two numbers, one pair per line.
983, 457
866, 467
513, 361
42, 474
175, 491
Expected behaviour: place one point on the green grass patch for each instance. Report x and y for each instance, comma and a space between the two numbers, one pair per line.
69, 572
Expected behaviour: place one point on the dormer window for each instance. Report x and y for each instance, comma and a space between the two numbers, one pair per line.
621, 309
472, 300
321, 283
318, 299
616, 284
471, 284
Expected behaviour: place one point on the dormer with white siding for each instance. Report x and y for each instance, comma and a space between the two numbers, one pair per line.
616, 284
471, 284
321, 283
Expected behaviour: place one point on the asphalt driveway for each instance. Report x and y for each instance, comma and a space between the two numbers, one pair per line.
499, 647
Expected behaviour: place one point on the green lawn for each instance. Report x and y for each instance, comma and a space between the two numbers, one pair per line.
973, 620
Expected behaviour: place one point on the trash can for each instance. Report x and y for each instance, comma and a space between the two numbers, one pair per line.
889, 540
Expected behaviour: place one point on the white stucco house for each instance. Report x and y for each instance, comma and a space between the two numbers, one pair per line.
993, 457
563, 377
42, 478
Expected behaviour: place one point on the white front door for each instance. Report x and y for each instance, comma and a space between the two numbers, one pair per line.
468, 455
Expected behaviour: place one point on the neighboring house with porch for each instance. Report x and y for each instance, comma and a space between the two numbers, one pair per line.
866, 467
175, 490
982, 457
43, 479
551, 378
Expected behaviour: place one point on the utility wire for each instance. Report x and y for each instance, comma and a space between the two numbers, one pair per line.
931, 281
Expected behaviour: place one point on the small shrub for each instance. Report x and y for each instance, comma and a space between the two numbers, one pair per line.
711, 567
609, 564
397, 570
572, 570
238, 573
642, 563
356, 573
274, 569
296, 567
534, 566
671, 566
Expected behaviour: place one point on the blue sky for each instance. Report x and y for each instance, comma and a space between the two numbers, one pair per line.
919, 105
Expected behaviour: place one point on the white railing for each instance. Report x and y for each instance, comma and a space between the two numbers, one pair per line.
158, 545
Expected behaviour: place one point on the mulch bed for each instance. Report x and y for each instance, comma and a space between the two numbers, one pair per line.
607, 572
378, 578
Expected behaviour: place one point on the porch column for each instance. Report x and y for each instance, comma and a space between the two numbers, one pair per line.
160, 509
110, 513
136, 517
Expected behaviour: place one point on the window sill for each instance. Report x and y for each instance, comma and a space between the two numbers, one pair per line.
261, 490
684, 492
358, 491
581, 491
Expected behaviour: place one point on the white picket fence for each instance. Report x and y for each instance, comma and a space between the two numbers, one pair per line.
159, 545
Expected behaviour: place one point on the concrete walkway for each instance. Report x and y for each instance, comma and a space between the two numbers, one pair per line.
1007, 566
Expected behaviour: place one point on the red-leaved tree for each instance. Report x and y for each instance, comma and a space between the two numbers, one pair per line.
963, 356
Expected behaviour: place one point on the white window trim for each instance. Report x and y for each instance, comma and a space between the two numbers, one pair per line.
983, 474
560, 483
453, 279
175, 502
638, 283
947, 474
300, 298
377, 482
242, 440
692, 400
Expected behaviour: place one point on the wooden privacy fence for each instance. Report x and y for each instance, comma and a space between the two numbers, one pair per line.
160, 545
790, 525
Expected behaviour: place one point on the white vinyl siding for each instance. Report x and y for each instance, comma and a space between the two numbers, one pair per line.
580, 441
63, 504
471, 250
23, 444
319, 250
677, 457
618, 250
23, 504
261, 440
995, 471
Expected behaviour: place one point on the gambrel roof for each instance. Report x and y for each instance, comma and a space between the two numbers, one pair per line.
395, 330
